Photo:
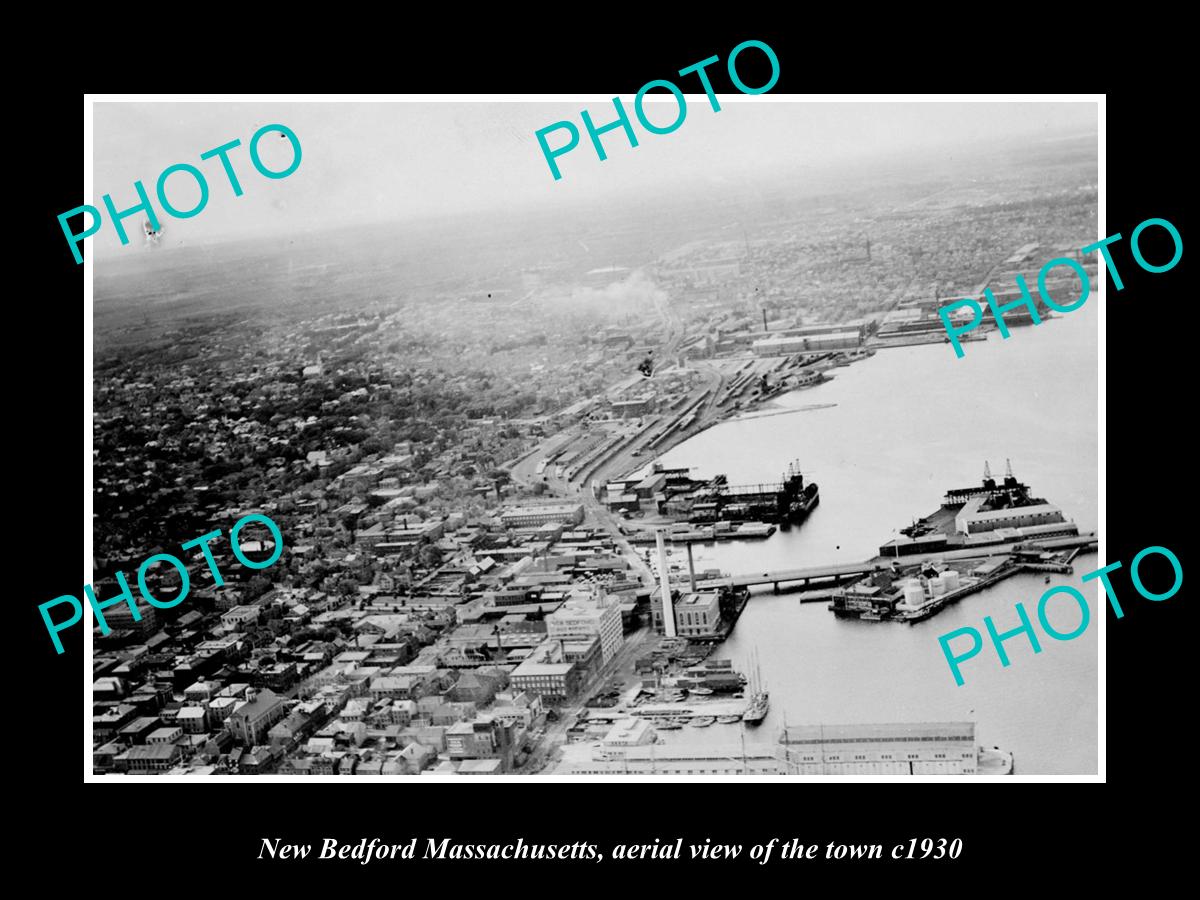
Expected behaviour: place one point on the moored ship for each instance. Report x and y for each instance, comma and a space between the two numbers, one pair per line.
994, 761
715, 500
756, 711
804, 503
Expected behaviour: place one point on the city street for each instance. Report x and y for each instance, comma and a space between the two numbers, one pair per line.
620, 666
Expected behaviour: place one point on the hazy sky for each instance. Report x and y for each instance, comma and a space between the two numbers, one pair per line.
367, 162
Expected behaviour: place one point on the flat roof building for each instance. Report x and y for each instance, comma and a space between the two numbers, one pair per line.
584, 617
146, 759
971, 519
697, 615
546, 674
803, 343
526, 516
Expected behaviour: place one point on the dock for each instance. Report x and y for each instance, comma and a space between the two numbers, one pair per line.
688, 709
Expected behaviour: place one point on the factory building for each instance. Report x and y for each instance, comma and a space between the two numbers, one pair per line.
810, 343
632, 407
698, 615
527, 516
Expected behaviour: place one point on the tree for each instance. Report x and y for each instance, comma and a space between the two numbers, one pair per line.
256, 587
429, 556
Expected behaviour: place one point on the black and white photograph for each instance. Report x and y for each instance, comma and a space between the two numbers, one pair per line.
532, 438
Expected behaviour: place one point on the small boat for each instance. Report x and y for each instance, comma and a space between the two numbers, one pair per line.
729, 720
701, 721
669, 725
700, 691
1047, 581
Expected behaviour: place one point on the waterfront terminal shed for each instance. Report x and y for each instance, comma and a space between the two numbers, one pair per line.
919, 748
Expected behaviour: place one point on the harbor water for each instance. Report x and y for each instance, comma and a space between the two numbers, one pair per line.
908, 424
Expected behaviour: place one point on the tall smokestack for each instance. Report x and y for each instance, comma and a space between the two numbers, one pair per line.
664, 581
764, 312
691, 568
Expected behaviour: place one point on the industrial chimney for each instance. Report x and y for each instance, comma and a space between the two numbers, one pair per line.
664, 580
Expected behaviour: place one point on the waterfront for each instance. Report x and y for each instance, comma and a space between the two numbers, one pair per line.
438, 408
909, 424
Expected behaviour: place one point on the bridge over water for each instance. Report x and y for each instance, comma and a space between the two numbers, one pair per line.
836, 572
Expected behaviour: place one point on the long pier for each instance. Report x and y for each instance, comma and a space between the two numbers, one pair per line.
839, 571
